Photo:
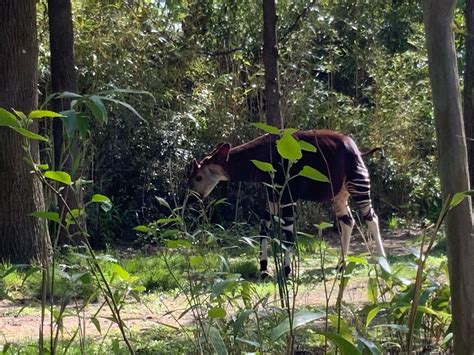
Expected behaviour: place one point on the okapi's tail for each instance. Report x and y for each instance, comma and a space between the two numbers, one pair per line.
373, 150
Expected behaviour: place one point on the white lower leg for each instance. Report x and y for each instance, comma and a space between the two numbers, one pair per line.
263, 249
346, 231
375, 232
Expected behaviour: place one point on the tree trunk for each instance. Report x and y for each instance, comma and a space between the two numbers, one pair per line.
63, 78
63, 72
469, 86
438, 18
22, 238
270, 62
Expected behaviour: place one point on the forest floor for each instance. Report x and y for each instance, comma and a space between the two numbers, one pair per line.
20, 320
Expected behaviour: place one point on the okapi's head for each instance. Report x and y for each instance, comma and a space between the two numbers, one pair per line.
209, 171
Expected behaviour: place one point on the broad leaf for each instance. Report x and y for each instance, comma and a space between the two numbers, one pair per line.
369, 345
120, 271
43, 113
288, 147
372, 314
70, 122
29, 134
180, 243
299, 319
216, 312
98, 198
142, 228
59, 176
307, 146
345, 346
313, 174
264, 166
97, 107
323, 225
52, 216
216, 341
8, 119
266, 128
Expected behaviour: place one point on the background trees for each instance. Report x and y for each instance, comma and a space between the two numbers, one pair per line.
22, 237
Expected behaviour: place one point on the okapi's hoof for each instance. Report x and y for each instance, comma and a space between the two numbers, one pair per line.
264, 275
341, 265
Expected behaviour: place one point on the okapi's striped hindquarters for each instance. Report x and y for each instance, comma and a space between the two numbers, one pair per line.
337, 157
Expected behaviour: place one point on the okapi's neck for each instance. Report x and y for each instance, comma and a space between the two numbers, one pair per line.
239, 166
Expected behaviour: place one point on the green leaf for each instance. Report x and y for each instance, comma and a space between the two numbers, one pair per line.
216, 341
180, 243
20, 114
42, 166
196, 261
142, 228
168, 220
323, 225
313, 174
240, 320
216, 312
369, 345
371, 314
124, 104
70, 122
267, 128
82, 122
29, 134
307, 146
52, 216
120, 271
163, 202
43, 113
459, 197
98, 198
264, 166
288, 147
59, 176
68, 95
8, 119
345, 346
96, 323
299, 319
372, 290
97, 107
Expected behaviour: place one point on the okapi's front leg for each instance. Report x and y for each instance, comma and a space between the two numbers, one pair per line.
265, 225
287, 227
345, 221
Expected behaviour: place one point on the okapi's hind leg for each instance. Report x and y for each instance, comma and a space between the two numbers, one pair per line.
359, 189
265, 225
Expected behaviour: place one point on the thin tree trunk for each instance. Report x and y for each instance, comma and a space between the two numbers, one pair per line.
438, 19
469, 86
22, 237
270, 62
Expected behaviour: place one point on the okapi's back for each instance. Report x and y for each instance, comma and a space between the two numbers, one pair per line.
335, 155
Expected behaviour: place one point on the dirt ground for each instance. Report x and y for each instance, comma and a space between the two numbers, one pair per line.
20, 320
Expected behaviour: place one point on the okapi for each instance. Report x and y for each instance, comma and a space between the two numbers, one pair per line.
337, 157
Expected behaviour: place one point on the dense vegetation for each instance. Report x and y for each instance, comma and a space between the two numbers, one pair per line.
161, 82
355, 67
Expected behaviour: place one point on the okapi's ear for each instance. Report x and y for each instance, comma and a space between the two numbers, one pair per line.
221, 156
195, 164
